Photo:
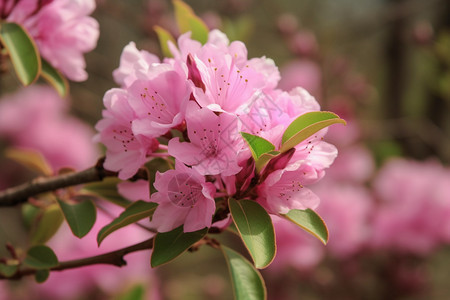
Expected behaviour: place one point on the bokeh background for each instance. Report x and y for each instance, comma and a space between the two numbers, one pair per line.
384, 66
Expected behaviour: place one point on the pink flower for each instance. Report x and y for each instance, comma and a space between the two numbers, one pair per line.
184, 198
295, 248
303, 73
346, 209
159, 103
285, 189
126, 152
414, 213
63, 31
36, 118
214, 142
133, 63
135, 190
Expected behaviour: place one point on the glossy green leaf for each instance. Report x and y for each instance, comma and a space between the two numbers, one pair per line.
31, 159
136, 211
54, 78
169, 245
256, 230
258, 145
310, 221
306, 125
188, 21
41, 275
248, 283
80, 216
41, 257
22, 50
8, 270
46, 224
264, 159
107, 189
164, 37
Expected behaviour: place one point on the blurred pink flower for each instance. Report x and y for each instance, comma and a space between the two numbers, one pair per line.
303, 73
62, 30
36, 118
346, 209
414, 215
295, 247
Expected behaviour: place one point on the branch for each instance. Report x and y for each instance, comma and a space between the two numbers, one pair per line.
114, 258
20, 193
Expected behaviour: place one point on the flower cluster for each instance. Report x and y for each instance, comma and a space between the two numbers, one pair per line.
62, 30
192, 108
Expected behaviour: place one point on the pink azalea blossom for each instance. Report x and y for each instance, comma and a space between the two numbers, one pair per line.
126, 152
36, 118
184, 198
157, 104
62, 30
137, 190
214, 142
303, 73
133, 64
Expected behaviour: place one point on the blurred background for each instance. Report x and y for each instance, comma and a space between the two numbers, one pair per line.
384, 66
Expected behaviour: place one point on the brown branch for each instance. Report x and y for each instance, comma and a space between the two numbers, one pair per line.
21, 193
114, 258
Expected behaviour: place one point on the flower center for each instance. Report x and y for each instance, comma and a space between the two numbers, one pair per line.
184, 191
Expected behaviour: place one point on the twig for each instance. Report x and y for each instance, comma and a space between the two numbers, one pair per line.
20, 193
115, 258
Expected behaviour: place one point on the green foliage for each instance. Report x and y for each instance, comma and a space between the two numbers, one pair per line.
188, 21
164, 37
133, 213
46, 224
8, 270
80, 216
107, 189
136, 292
41, 275
264, 159
258, 145
54, 78
310, 221
248, 283
22, 50
256, 230
305, 126
41, 257
169, 245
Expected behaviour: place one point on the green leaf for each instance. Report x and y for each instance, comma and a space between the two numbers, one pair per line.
80, 216
306, 125
54, 78
256, 230
188, 21
41, 257
169, 245
41, 275
258, 145
309, 221
248, 283
136, 292
107, 189
136, 211
32, 159
47, 223
22, 50
164, 37
8, 270
264, 159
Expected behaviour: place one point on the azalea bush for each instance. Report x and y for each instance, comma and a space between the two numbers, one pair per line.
198, 143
